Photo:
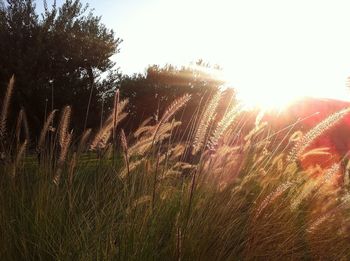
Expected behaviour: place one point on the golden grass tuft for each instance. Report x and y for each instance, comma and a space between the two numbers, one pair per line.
64, 125
222, 126
62, 156
19, 156
271, 197
301, 145
83, 143
124, 144
206, 118
47, 124
5, 106
115, 113
104, 134
171, 110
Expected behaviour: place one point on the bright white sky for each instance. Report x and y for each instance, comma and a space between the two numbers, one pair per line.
266, 47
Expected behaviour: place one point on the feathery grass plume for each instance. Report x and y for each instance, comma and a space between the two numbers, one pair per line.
146, 142
21, 151
174, 107
176, 170
57, 178
45, 128
319, 221
171, 173
64, 125
64, 148
255, 131
222, 126
103, 135
124, 144
144, 127
296, 136
259, 117
167, 193
277, 159
19, 125
62, 157
141, 200
315, 132
204, 122
176, 151
132, 165
313, 185
123, 140
304, 193
347, 174
26, 126
271, 197
115, 113
83, 140
145, 122
170, 111
317, 151
121, 106
142, 130
329, 174
5, 106
155, 177
345, 198
19, 156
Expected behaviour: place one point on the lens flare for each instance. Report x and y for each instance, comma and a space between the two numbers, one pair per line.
278, 94
275, 94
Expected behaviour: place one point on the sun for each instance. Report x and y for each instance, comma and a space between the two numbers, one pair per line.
274, 93
278, 95
265, 98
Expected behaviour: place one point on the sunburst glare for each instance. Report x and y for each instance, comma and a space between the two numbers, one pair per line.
275, 96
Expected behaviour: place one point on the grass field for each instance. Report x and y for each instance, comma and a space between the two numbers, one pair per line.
211, 196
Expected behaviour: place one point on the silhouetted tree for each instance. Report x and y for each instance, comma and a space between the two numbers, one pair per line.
57, 58
152, 92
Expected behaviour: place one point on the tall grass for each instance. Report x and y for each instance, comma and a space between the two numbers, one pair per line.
139, 197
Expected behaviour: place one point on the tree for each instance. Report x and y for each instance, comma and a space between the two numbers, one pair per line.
150, 93
57, 58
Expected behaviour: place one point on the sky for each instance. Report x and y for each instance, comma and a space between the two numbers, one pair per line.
265, 47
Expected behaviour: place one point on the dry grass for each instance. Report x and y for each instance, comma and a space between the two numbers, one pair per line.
204, 123
5, 106
236, 199
315, 132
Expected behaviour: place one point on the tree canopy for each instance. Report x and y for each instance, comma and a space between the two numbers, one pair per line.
57, 57
150, 93
63, 57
